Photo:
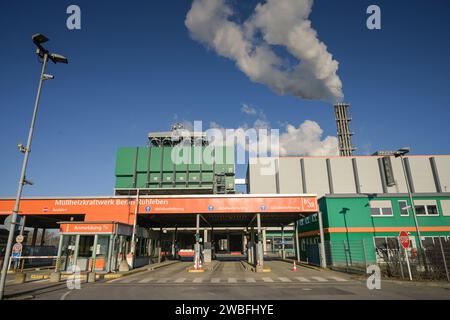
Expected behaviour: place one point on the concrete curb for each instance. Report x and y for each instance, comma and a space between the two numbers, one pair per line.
152, 267
301, 264
107, 276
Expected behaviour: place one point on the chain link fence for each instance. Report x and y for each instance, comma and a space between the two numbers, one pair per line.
354, 256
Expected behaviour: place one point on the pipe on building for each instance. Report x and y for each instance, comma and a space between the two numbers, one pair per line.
435, 172
382, 175
356, 176
302, 169
330, 176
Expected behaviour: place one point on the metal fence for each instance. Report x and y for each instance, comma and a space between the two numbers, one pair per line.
354, 256
349, 256
431, 263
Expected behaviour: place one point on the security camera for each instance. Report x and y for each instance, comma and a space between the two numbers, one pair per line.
21, 148
26, 181
57, 58
48, 77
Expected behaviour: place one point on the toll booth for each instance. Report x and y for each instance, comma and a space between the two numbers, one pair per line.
98, 246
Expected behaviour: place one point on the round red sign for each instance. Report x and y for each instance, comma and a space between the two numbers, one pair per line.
404, 239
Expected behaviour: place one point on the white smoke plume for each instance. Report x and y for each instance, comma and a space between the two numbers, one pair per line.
251, 45
306, 139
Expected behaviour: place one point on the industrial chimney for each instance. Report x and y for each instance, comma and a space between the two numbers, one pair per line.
343, 129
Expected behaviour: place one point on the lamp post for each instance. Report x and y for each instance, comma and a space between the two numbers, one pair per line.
400, 154
44, 55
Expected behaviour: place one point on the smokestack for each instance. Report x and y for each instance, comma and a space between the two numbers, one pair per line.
343, 129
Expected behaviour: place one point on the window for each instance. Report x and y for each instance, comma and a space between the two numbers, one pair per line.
386, 248
426, 208
379, 208
420, 210
430, 242
403, 204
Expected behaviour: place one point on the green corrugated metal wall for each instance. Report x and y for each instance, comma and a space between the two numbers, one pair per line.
153, 168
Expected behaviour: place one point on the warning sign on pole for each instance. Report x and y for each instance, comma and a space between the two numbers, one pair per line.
404, 239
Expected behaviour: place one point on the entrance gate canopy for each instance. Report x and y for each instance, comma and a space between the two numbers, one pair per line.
166, 211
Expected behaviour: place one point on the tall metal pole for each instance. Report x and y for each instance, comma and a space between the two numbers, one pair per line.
297, 244
259, 253
323, 255
21, 183
197, 241
413, 208
136, 212
133, 235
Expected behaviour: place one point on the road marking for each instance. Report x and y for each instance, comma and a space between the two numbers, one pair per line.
338, 279
267, 279
163, 280
284, 279
250, 280
64, 296
197, 280
215, 280
320, 279
232, 280
146, 280
180, 280
302, 279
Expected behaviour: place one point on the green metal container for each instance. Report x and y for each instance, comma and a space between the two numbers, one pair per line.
164, 168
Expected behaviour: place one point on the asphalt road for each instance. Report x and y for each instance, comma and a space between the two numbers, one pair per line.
231, 282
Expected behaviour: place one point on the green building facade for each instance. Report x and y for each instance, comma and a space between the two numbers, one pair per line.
362, 229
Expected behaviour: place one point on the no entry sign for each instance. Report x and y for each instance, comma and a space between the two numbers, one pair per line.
404, 239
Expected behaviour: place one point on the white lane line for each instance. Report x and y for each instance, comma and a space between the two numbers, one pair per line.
338, 279
197, 280
232, 280
303, 279
267, 279
146, 280
250, 280
320, 279
163, 280
64, 296
180, 280
215, 280
284, 279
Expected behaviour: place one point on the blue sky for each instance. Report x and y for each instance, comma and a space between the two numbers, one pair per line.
134, 69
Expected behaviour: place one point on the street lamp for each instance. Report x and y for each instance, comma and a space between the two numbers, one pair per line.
44, 55
400, 154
